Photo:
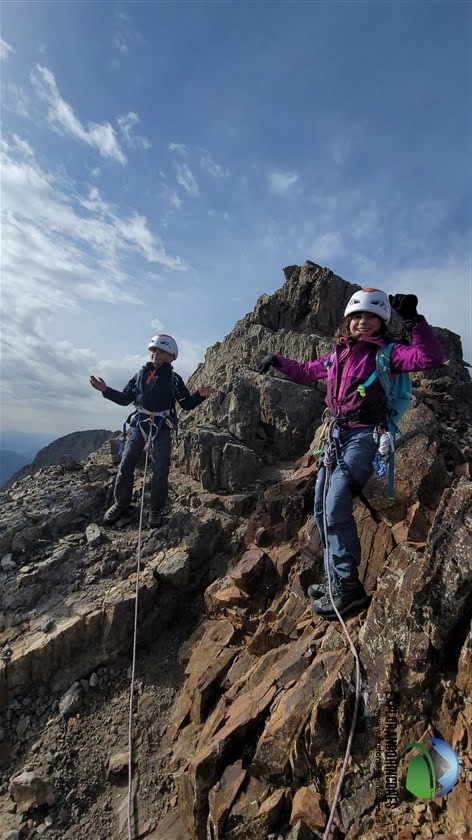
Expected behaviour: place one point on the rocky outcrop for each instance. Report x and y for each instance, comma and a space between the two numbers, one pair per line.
72, 447
254, 737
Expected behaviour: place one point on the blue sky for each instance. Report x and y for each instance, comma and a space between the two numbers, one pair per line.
162, 162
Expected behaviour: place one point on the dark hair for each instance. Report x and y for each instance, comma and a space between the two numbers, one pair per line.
382, 332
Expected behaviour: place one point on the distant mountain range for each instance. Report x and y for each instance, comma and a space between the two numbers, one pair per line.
24, 453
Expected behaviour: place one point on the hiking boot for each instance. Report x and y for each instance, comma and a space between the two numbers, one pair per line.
155, 518
347, 598
114, 513
317, 590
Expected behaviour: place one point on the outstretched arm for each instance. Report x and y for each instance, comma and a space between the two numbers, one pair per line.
185, 399
303, 372
124, 397
99, 384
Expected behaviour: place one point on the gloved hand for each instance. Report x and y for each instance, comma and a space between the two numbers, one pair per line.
405, 307
268, 362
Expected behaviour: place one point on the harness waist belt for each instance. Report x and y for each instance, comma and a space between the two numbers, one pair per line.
165, 413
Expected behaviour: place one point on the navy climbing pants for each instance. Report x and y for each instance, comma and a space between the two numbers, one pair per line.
357, 449
160, 477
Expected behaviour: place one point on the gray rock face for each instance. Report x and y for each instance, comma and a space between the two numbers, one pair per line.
73, 447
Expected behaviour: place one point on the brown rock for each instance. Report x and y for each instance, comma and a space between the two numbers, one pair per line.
306, 806
118, 763
222, 795
253, 570
290, 715
30, 790
206, 688
240, 718
283, 557
221, 595
265, 821
464, 670
170, 827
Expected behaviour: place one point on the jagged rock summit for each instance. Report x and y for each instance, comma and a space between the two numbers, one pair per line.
244, 698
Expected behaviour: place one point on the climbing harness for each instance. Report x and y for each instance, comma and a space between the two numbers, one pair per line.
332, 454
326, 428
153, 426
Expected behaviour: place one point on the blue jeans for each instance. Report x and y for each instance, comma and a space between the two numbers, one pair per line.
357, 448
160, 477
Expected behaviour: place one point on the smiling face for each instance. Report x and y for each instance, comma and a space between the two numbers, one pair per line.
158, 356
364, 325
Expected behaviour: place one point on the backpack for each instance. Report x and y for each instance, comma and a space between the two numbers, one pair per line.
399, 397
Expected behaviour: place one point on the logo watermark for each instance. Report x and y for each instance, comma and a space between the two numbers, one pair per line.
430, 774
434, 772
386, 752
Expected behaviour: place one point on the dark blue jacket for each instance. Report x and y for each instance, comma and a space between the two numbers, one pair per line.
155, 393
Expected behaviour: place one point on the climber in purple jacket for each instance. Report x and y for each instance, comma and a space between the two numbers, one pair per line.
353, 421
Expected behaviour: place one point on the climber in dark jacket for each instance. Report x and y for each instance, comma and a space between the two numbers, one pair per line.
154, 391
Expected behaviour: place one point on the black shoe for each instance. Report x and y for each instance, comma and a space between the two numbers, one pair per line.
317, 590
114, 513
346, 598
155, 519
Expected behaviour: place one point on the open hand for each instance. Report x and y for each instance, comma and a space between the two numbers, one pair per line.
205, 390
99, 384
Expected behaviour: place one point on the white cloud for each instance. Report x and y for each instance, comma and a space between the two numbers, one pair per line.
216, 214
23, 146
366, 223
214, 169
281, 182
191, 353
326, 247
123, 32
179, 148
157, 325
53, 239
101, 136
16, 100
432, 283
186, 180
5, 50
61, 250
127, 124
174, 201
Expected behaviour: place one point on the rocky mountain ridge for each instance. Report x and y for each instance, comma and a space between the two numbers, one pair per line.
244, 697
76, 446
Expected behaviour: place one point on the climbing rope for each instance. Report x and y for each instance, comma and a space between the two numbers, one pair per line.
328, 462
149, 450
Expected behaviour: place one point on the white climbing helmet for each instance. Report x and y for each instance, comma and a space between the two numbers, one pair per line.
164, 342
369, 300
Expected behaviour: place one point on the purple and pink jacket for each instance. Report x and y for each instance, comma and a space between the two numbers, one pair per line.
351, 363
